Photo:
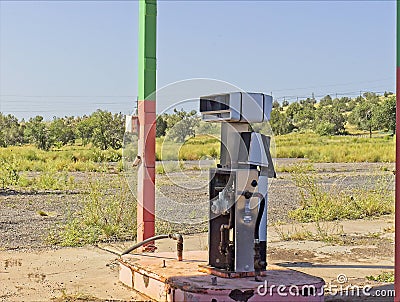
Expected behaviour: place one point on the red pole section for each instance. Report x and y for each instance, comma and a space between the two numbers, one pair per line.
147, 119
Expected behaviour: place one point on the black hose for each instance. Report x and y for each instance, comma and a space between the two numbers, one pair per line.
223, 243
139, 244
259, 216
177, 237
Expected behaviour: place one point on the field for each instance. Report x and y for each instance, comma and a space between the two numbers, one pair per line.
330, 149
79, 196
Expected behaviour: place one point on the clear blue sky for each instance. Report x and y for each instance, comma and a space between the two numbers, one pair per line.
70, 58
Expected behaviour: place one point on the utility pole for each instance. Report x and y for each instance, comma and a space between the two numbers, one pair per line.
147, 119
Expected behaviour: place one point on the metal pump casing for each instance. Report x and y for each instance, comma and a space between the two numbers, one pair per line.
245, 165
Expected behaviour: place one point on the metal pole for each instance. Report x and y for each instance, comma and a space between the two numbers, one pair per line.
147, 118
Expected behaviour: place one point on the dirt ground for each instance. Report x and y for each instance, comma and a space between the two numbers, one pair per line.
33, 270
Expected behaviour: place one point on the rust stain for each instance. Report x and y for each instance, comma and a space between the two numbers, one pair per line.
146, 280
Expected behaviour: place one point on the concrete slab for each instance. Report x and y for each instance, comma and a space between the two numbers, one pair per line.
161, 277
82, 273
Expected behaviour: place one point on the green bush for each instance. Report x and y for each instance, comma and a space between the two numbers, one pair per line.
325, 128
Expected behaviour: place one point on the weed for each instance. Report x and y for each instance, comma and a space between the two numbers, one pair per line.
319, 204
383, 277
306, 167
163, 227
106, 215
50, 180
293, 234
160, 169
317, 231
8, 173
169, 167
65, 297
389, 229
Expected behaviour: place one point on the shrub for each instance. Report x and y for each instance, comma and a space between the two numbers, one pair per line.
319, 204
107, 214
8, 174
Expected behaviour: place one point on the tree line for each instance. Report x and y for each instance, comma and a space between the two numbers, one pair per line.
103, 129
330, 116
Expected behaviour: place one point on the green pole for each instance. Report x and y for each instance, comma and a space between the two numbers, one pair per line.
147, 119
147, 48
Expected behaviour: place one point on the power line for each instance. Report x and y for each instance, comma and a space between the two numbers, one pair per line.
350, 93
334, 85
67, 96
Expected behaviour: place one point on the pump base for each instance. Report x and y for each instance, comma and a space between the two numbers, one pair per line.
161, 277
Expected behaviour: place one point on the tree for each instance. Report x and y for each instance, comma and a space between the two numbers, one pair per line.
108, 129
371, 97
84, 129
326, 101
182, 124
280, 123
308, 101
302, 114
365, 115
275, 104
208, 128
352, 104
161, 125
340, 104
11, 131
61, 130
329, 121
293, 111
386, 115
37, 132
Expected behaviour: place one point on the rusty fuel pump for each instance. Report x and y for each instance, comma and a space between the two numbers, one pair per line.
239, 185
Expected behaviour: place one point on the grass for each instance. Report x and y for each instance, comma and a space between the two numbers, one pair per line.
68, 158
195, 148
317, 203
318, 231
49, 180
108, 214
169, 167
295, 145
334, 149
330, 149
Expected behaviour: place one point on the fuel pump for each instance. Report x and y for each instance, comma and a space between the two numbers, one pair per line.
239, 184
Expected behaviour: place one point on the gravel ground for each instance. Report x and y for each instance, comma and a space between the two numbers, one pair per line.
182, 200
